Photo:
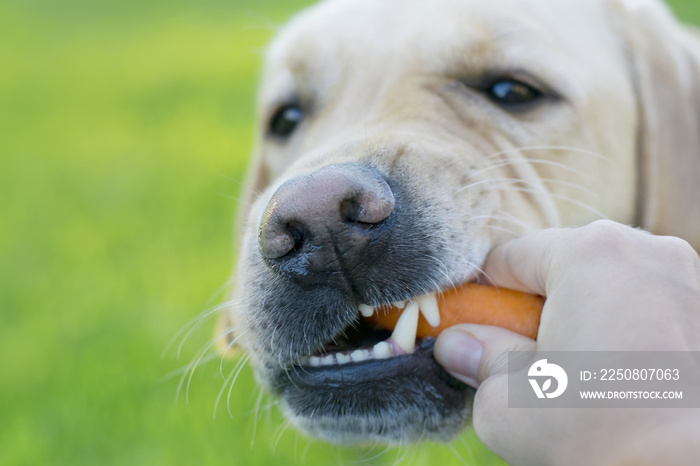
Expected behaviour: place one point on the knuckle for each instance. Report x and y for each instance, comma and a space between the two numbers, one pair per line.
607, 229
677, 247
676, 250
606, 237
614, 241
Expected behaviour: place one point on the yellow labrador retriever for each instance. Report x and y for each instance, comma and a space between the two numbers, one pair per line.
401, 140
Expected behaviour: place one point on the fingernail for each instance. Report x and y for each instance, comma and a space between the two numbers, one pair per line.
459, 353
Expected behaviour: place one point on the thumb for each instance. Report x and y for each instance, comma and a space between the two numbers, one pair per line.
472, 353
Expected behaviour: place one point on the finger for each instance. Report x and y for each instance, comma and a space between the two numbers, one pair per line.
472, 353
538, 261
523, 264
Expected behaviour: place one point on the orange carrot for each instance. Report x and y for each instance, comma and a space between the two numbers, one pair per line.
475, 304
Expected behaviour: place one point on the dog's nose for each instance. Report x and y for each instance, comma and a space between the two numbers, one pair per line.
326, 216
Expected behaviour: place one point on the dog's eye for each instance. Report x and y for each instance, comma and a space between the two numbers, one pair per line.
285, 120
512, 93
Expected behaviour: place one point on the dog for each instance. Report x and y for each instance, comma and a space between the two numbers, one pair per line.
401, 140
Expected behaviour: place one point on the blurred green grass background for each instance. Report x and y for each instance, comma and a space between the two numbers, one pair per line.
125, 128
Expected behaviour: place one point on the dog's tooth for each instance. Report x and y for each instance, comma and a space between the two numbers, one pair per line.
399, 304
429, 308
359, 355
328, 360
342, 358
382, 350
366, 310
314, 361
405, 331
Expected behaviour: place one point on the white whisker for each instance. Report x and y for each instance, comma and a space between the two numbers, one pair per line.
366, 459
530, 161
222, 307
563, 198
509, 217
256, 415
401, 455
445, 271
459, 457
305, 451
208, 312
501, 181
281, 432
223, 387
232, 376
254, 193
185, 368
233, 382
237, 199
228, 347
195, 362
551, 148
504, 218
501, 229
264, 23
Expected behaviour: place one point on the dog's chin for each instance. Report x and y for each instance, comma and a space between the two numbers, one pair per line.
398, 400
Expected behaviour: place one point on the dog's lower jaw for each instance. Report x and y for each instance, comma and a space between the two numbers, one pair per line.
408, 425
397, 401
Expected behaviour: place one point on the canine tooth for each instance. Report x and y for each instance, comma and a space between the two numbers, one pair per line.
429, 308
382, 350
399, 304
405, 331
359, 355
314, 361
328, 360
342, 358
366, 310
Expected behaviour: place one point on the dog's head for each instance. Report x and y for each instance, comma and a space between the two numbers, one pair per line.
401, 140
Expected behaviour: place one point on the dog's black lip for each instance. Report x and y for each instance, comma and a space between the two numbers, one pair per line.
370, 372
409, 390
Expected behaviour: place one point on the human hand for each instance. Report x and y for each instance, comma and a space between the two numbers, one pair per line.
608, 288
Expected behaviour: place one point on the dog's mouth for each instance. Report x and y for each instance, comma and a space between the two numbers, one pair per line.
370, 383
367, 340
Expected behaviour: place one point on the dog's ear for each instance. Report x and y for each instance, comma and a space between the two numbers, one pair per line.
664, 61
225, 336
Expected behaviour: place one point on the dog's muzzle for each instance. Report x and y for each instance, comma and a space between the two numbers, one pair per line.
331, 244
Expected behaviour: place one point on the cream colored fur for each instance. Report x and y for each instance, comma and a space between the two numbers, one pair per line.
389, 82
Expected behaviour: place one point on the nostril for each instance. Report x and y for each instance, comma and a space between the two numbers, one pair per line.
370, 206
371, 213
281, 240
298, 235
351, 211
